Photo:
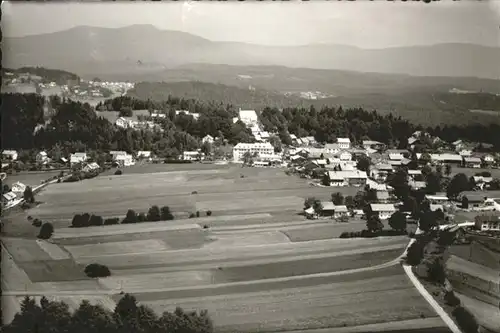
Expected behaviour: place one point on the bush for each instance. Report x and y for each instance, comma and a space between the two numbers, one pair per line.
451, 299
141, 217
97, 270
192, 215
154, 214
435, 271
46, 231
118, 172
131, 217
209, 213
205, 226
165, 214
37, 223
415, 254
194, 192
465, 320
111, 221
29, 218
96, 220
59, 180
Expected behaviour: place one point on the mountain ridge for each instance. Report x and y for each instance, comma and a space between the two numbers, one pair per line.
118, 50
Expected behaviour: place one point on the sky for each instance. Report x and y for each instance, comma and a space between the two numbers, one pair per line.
377, 24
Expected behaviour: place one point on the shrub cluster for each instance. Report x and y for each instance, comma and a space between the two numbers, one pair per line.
154, 214
77, 176
46, 231
97, 270
172, 161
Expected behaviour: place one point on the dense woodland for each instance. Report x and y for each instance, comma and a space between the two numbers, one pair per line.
47, 75
128, 317
32, 121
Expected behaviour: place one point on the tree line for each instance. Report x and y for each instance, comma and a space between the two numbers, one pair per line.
128, 317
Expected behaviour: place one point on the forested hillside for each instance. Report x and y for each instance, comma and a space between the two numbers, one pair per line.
75, 126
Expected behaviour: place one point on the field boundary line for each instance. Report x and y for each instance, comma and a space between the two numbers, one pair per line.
432, 302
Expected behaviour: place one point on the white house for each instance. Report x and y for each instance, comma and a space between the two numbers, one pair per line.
472, 162
384, 210
158, 115
465, 152
125, 122
249, 117
345, 156
347, 178
42, 157
124, 159
332, 148
144, 154
367, 144
340, 211
437, 199
261, 149
191, 155
18, 187
488, 158
91, 167
208, 139
8, 198
488, 222
344, 143
77, 158
446, 158
9, 155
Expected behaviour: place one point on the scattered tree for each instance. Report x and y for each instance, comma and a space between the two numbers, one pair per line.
458, 184
435, 271
373, 223
130, 217
465, 202
397, 221
118, 172
465, 320
46, 231
28, 195
154, 214
451, 299
337, 198
209, 213
97, 270
349, 202
363, 164
447, 170
415, 254
166, 214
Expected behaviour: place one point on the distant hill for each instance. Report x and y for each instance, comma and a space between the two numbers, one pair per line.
208, 92
332, 82
47, 74
142, 49
420, 107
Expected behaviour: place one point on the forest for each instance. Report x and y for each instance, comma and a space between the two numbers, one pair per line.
31, 121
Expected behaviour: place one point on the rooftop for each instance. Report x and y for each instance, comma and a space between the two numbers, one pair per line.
382, 207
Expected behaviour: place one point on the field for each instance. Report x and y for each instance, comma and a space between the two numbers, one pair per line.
255, 264
30, 178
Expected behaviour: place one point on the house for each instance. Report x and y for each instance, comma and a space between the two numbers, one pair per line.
310, 139
42, 157
436, 199
77, 158
187, 113
436, 207
18, 187
158, 115
465, 152
332, 148
144, 154
125, 122
328, 208
344, 143
259, 149
384, 211
344, 156
91, 167
417, 185
8, 198
208, 139
472, 162
9, 155
369, 144
191, 156
446, 158
488, 159
340, 211
415, 174
310, 213
488, 222
383, 196
124, 159
347, 178
115, 153
402, 152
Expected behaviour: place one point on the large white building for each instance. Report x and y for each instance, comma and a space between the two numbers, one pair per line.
249, 117
261, 149
344, 143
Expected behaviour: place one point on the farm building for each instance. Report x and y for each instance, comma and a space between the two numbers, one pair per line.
488, 222
8, 198
344, 143
9, 155
191, 156
455, 159
144, 154
124, 159
328, 208
472, 162
347, 178
384, 210
91, 167
340, 211
77, 158
42, 157
436, 199
18, 187
369, 144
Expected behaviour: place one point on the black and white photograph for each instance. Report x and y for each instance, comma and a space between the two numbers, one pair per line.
250, 167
